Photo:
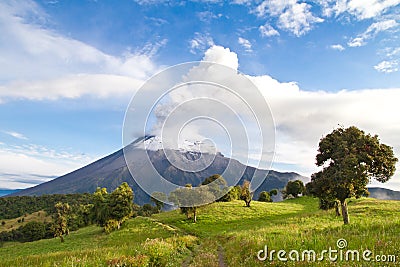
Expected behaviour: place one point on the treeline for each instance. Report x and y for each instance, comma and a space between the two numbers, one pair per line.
31, 231
17, 206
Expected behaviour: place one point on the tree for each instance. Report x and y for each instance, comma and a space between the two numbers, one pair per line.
61, 220
350, 159
273, 192
111, 210
159, 198
293, 188
319, 188
84, 214
189, 198
100, 206
33, 231
120, 204
246, 195
264, 197
217, 186
233, 194
308, 189
147, 210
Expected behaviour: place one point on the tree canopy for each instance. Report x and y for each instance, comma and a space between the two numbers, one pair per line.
246, 194
293, 188
189, 198
61, 220
264, 197
111, 210
350, 159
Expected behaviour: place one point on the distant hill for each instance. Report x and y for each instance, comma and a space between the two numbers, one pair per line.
383, 193
4, 192
112, 170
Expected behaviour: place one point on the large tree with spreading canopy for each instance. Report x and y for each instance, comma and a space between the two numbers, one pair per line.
350, 159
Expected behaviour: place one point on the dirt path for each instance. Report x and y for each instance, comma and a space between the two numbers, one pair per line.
221, 262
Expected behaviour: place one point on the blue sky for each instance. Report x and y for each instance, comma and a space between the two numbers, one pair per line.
70, 68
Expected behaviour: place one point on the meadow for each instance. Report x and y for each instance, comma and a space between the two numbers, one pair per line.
226, 234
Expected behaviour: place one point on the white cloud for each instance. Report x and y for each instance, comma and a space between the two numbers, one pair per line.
372, 31
360, 9
28, 165
200, 43
356, 42
207, 16
390, 60
72, 86
298, 19
151, 2
338, 47
303, 117
268, 31
223, 56
241, 2
371, 8
41, 64
16, 135
392, 52
293, 16
245, 43
388, 66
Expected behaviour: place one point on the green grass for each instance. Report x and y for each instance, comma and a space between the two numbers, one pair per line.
89, 246
227, 233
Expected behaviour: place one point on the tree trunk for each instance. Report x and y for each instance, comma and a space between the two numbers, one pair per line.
345, 212
62, 239
194, 215
337, 208
248, 203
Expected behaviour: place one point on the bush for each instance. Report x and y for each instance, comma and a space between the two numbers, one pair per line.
264, 197
159, 251
33, 231
147, 210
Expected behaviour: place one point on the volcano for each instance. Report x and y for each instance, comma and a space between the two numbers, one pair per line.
112, 170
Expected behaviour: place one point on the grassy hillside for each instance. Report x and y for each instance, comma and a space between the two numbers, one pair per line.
226, 234
10, 224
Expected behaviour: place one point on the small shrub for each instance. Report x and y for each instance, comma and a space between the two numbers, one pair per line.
159, 251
